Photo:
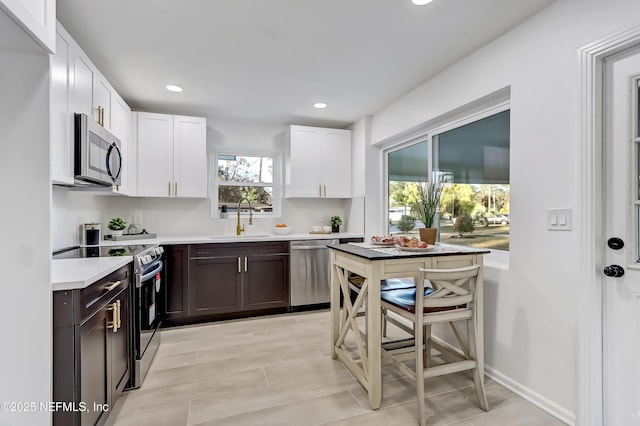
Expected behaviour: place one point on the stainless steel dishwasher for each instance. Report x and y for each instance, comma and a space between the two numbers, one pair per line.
310, 275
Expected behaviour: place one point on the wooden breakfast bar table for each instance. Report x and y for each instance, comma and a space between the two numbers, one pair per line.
375, 263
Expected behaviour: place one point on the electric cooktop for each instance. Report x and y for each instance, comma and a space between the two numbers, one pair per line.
99, 251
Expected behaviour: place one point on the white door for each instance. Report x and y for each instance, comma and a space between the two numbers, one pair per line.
620, 208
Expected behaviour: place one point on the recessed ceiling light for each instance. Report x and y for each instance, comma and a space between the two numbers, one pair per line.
421, 2
319, 105
174, 88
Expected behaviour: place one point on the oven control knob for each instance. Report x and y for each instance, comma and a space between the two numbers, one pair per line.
149, 258
161, 249
158, 251
143, 260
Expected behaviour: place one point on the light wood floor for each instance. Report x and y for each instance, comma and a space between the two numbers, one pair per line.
277, 371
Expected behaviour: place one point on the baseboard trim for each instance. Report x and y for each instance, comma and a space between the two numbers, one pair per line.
535, 398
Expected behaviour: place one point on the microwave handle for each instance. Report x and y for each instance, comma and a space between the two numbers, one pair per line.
109, 152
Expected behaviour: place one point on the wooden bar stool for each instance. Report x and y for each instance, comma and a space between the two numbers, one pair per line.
450, 299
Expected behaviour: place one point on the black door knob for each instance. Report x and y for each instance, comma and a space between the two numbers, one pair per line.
615, 271
615, 243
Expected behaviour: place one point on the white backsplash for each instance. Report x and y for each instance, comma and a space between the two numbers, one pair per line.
188, 217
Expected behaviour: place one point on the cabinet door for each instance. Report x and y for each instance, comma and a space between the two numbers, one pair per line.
304, 170
266, 282
155, 154
336, 163
119, 347
83, 77
177, 279
102, 100
120, 116
61, 115
92, 364
37, 18
190, 157
214, 285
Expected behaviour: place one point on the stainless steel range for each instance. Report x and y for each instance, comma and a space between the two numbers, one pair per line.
148, 272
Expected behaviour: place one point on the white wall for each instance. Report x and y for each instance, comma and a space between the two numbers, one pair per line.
530, 325
25, 253
188, 217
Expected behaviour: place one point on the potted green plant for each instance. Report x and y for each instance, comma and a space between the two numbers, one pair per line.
117, 225
335, 222
426, 207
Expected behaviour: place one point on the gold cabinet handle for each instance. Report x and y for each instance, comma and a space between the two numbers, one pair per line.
239, 267
119, 313
112, 285
169, 189
175, 189
114, 317
320, 190
325, 190
245, 263
102, 116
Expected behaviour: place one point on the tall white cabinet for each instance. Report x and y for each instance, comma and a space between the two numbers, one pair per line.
77, 86
318, 163
172, 155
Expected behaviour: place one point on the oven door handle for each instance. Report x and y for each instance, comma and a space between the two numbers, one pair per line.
150, 274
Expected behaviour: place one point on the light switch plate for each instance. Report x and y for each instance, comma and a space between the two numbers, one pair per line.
559, 219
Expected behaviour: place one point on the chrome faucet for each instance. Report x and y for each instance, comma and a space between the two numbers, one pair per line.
240, 229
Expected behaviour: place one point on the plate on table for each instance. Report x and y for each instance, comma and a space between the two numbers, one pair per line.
382, 244
415, 249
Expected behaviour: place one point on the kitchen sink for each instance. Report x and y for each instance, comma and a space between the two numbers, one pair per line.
239, 237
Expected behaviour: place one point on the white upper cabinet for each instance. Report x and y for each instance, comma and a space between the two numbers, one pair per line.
190, 156
318, 163
172, 155
77, 86
120, 119
37, 18
61, 120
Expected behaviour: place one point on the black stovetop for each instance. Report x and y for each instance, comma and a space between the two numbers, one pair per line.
99, 251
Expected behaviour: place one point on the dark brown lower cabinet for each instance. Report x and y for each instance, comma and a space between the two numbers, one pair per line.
177, 280
212, 280
91, 348
215, 285
266, 281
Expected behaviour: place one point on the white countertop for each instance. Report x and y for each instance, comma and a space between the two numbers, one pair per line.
202, 239
70, 274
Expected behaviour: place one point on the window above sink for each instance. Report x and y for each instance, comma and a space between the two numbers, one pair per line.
254, 176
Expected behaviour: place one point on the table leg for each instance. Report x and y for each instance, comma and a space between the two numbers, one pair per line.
374, 339
335, 307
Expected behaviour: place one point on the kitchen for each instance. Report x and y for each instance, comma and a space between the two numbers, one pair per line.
530, 339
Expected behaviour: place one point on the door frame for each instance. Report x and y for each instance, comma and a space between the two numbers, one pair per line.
590, 185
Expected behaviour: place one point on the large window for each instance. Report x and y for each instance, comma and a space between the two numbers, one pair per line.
243, 181
470, 160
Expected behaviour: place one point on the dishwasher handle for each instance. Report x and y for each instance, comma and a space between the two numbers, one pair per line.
308, 247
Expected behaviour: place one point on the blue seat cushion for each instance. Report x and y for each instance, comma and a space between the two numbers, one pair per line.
397, 284
385, 285
406, 299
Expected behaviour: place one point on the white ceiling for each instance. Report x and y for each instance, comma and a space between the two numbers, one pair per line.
270, 60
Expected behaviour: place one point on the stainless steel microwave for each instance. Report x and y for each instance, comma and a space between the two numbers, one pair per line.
98, 158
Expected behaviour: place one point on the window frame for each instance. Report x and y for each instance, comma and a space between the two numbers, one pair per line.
277, 183
428, 133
